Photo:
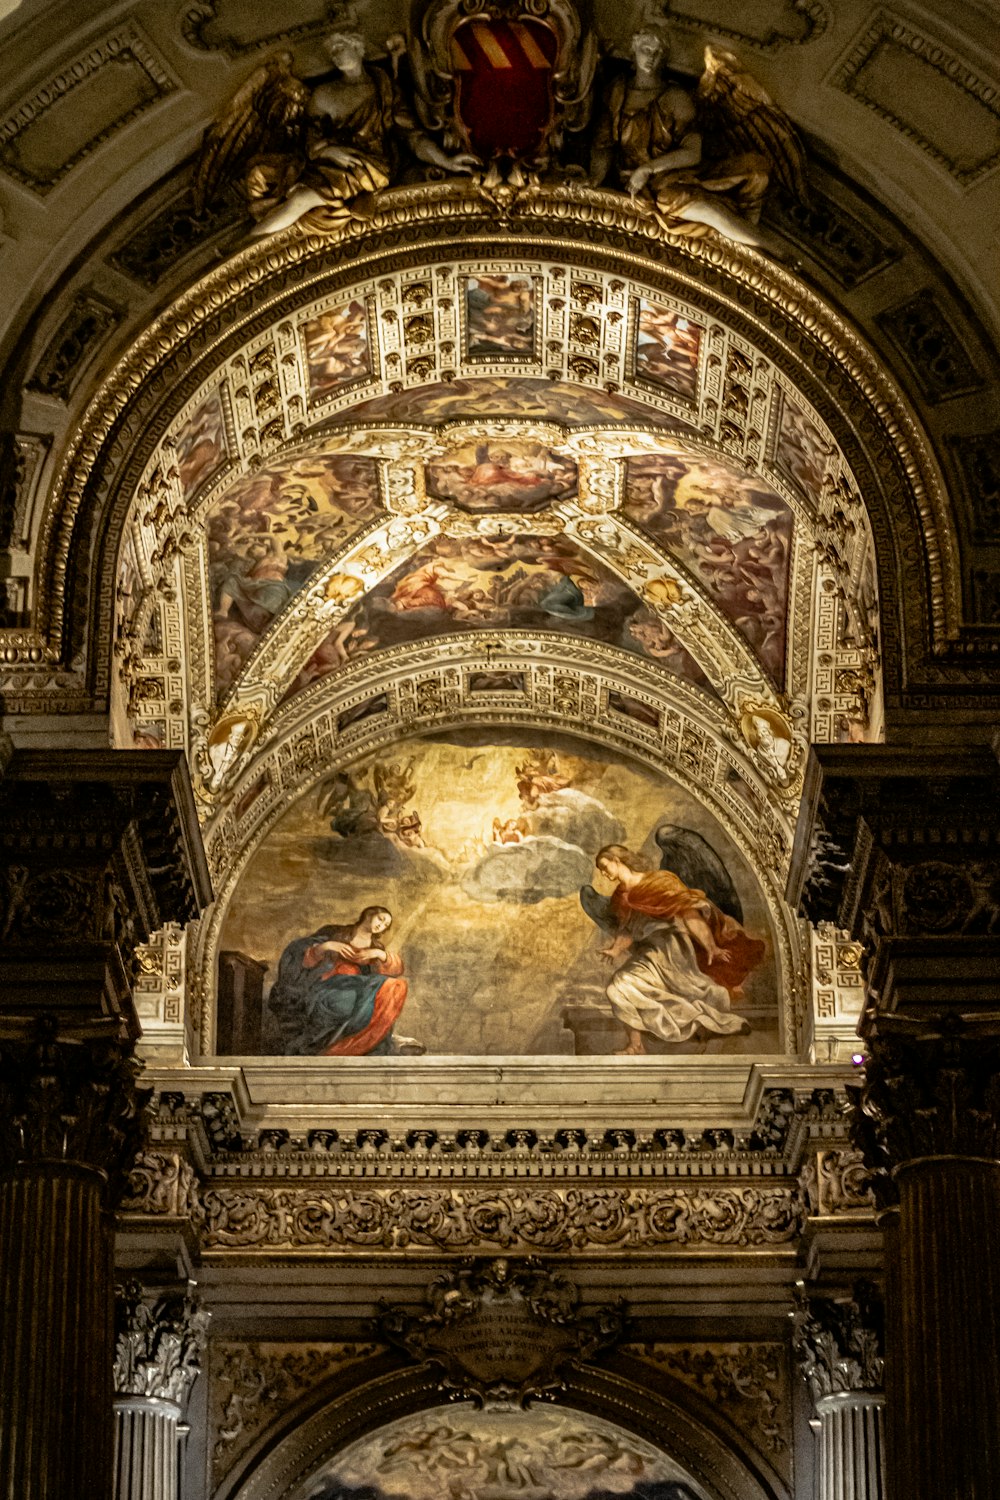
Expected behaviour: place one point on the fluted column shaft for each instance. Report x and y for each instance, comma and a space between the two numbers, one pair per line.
945, 1345
55, 1280
851, 1446
147, 1448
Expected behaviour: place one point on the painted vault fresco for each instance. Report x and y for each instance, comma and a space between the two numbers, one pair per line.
200, 445
476, 894
267, 533
801, 450
521, 581
459, 1453
500, 316
502, 396
731, 531
337, 350
488, 478
667, 348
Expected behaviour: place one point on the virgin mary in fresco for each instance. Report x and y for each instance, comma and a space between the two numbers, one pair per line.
680, 959
339, 991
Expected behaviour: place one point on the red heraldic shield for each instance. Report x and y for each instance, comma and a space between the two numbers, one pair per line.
503, 73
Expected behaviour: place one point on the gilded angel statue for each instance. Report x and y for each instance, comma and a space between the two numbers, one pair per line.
312, 150
704, 156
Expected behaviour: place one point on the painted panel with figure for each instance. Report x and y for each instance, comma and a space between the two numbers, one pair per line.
337, 349
500, 316
667, 347
458, 1453
480, 396
478, 894
522, 581
801, 449
200, 446
490, 478
267, 533
734, 534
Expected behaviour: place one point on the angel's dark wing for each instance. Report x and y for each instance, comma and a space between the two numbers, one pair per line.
737, 110
598, 909
693, 859
267, 114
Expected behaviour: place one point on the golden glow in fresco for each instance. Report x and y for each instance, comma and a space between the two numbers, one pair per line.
457, 1453
445, 898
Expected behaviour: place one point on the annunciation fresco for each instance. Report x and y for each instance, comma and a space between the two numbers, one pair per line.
267, 533
734, 534
481, 893
460, 1453
519, 580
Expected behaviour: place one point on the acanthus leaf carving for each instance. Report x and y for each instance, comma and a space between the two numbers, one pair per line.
505, 1219
72, 1101
931, 1088
158, 1345
839, 1342
747, 1382
162, 1183
251, 1384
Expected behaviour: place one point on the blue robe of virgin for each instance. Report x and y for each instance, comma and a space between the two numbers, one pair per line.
312, 1012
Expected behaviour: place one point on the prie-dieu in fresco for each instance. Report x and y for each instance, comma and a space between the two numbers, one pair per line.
477, 894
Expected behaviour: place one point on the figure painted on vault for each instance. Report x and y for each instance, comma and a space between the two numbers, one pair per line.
339, 991
679, 949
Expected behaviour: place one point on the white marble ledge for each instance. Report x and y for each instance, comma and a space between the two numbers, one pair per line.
304, 1093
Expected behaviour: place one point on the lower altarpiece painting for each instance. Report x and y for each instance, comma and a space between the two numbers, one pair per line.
477, 895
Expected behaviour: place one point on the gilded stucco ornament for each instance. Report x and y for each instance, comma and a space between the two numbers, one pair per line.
776, 747
499, 92
219, 749
547, 57
701, 158
312, 152
502, 1330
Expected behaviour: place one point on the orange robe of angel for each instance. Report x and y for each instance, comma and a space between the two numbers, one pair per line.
661, 893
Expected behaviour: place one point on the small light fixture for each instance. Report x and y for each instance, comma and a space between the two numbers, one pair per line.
858, 1059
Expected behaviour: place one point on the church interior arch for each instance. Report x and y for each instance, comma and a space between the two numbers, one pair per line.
493, 568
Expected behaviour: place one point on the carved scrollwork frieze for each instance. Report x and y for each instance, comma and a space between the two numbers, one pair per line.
836, 1182
162, 1184
308, 1220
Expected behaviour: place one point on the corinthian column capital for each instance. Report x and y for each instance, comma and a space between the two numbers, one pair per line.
839, 1343
71, 1100
159, 1343
931, 1089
